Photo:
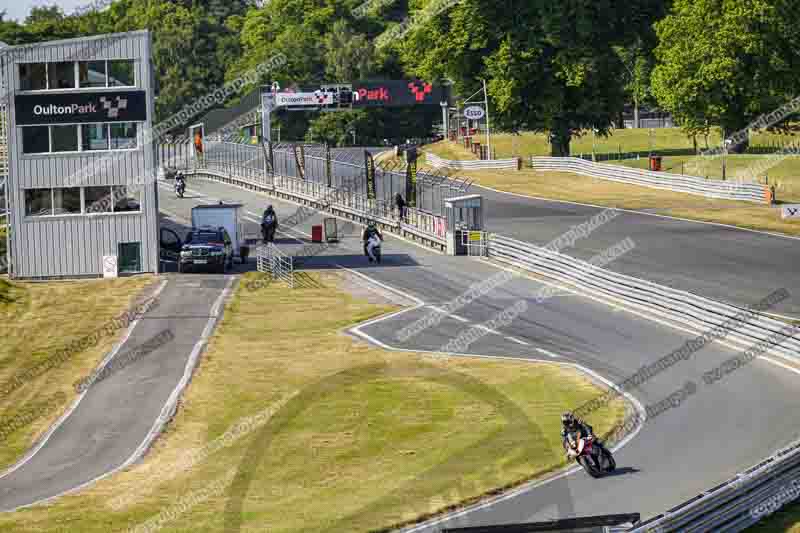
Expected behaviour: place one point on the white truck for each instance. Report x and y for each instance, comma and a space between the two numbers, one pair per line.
228, 216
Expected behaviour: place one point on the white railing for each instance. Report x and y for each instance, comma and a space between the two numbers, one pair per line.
428, 227
496, 164
272, 261
728, 190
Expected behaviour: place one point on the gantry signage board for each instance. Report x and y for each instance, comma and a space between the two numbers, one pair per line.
396, 93
80, 107
303, 99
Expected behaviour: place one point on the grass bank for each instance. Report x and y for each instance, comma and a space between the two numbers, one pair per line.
786, 520
583, 189
620, 140
333, 435
37, 321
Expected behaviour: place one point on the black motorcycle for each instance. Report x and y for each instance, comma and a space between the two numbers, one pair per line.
268, 227
595, 458
180, 188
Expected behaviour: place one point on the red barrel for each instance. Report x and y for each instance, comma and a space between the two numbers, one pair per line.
316, 233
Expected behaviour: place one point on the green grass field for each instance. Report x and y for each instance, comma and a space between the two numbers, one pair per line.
786, 520
351, 438
621, 140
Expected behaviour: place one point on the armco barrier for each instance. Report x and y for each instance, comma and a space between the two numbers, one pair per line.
678, 306
496, 164
727, 190
426, 228
738, 503
735, 504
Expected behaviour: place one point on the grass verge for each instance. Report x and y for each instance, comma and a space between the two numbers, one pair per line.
353, 438
37, 320
576, 188
786, 520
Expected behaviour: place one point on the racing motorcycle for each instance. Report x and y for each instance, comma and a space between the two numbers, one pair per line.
374, 244
180, 188
268, 228
592, 456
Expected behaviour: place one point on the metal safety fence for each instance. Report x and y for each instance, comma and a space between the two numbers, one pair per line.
727, 190
279, 266
738, 503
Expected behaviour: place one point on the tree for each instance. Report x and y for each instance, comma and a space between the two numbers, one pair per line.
724, 63
549, 66
348, 56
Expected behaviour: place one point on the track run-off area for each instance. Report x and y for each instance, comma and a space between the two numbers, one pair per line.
715, 432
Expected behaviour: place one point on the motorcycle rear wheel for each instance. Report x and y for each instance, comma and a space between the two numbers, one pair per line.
589, 466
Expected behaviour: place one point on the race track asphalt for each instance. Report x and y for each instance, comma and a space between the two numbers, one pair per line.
715, 433
118, 413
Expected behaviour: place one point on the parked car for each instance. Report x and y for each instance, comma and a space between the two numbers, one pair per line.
207, 247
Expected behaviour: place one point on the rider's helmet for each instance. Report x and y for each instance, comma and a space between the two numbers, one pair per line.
371, 224
567, 419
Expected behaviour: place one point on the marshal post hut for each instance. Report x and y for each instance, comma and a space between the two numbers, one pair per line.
81, 182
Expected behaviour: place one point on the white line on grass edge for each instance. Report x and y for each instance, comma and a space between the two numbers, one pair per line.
114, 350
530, 485
169, 407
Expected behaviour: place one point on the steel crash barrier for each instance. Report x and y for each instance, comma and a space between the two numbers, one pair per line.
423, 227
495, 164
679, 306
743, 500
727, 190
738, 503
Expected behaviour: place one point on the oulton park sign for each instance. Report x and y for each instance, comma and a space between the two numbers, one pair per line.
80, 107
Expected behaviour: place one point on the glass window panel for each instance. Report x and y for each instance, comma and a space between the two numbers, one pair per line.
127, 198
38, 202
35, 139
120, 73
33, 76
97, 199
65, 138
94, 137
92, 74
61, 75
123, 135
67, 201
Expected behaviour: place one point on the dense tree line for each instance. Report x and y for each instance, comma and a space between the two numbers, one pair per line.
561, 67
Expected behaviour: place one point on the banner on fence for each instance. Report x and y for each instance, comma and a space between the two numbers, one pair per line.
300, 159
369, 163
411, 184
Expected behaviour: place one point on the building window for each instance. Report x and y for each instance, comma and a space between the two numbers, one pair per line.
33, 76
67, 201
61, 75
130, 257
94, 137
121, 73
127, 198
123, 136
35, 139
92, 74
98, 199
65, 138
38, 202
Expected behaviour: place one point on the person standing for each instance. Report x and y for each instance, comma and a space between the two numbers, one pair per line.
401, 206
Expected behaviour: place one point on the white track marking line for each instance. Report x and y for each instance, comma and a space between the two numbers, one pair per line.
170, 406
548, 353
645, 316
74, 406
517, 341
440, 310
487, 329
639, 212
534, 484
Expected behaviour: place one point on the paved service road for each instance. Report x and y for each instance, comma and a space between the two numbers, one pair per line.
118, 413
718, 431
720, 262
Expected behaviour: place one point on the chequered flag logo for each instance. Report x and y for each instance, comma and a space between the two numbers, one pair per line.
419, 94
113, 109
